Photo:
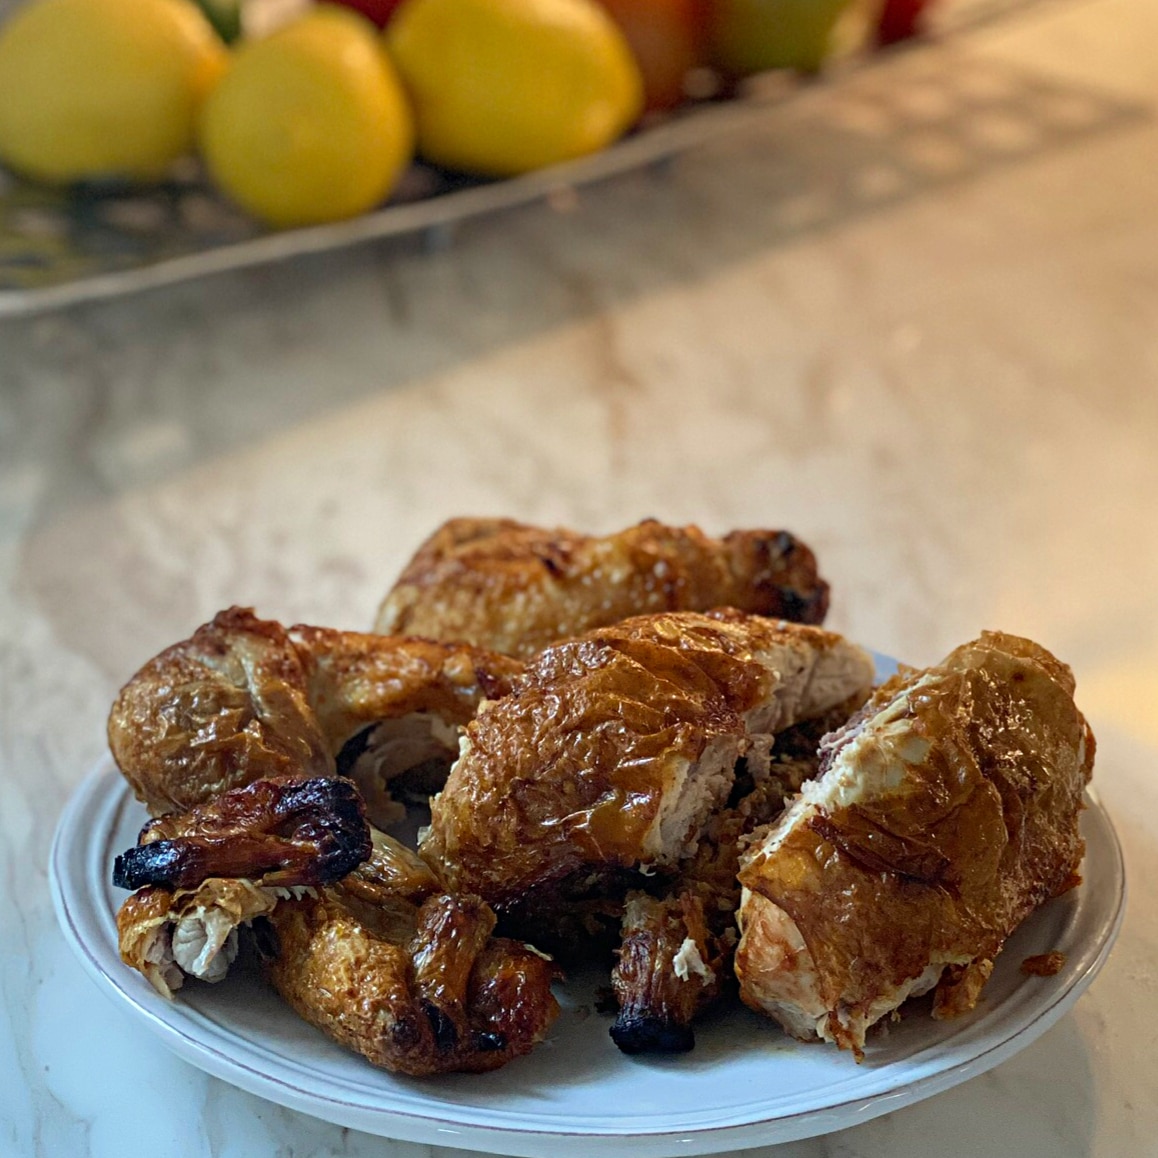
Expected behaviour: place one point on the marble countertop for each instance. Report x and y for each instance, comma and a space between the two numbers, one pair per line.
915, 322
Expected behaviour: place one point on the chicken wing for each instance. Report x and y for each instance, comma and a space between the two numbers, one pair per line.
245, 698
276, 832
383, 960
515, 588
946, 812
204, 873
612, 752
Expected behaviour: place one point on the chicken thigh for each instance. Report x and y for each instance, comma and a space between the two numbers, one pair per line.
246, 698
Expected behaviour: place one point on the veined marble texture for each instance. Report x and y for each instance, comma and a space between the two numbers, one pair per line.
918, 325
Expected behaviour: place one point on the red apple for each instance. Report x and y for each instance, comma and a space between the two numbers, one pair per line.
377, 11
900, 20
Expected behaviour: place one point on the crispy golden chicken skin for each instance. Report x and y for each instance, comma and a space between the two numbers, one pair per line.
515, 588
614, 749
416, 989
946, 812
275, 832
170, 933
246, 698
383, 960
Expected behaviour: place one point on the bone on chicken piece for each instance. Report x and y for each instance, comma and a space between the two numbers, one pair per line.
675, 956
416, 988
515, 588
615, 748
946, 812
246, 698
203, 873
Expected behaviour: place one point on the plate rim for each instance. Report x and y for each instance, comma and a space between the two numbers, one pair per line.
104, 788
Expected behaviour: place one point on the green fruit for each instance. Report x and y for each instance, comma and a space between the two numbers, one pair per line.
747, 36
225, 16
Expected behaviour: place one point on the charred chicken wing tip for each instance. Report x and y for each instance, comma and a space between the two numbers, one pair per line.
279, 832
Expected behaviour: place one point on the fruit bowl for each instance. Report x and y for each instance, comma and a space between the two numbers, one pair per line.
93, 241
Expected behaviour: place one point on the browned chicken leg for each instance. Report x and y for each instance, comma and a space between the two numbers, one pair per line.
417, 989
515, 588
245, 698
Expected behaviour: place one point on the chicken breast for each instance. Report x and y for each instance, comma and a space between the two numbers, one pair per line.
514, 588
946, 811
615, 749
246, 698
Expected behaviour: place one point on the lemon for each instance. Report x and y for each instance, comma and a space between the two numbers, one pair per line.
504, 86
93, 88
309, 124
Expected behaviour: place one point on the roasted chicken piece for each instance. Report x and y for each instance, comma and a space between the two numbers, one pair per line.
246, 698
675, 958
514, 588
670, 966
946, 812
384, 961
417, 989
275, 832
204, 873
613, 751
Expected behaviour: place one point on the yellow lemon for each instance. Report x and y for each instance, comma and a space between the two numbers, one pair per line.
309, 124
504, 86
92, 88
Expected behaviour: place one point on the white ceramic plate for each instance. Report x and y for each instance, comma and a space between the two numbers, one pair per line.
745, 1084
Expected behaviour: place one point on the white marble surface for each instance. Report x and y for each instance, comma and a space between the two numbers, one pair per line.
920, 328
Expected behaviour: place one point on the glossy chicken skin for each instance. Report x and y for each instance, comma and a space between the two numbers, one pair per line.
383, 960
946, 812
418, 989
276, 832
202, 874
515, 588
246, 698
614, 749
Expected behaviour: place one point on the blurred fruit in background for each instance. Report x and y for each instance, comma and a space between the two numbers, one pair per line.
103, 88
749, 36
319, 113
900, 20
378, 12
500, 87
309, 124
225, 16
666, 37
